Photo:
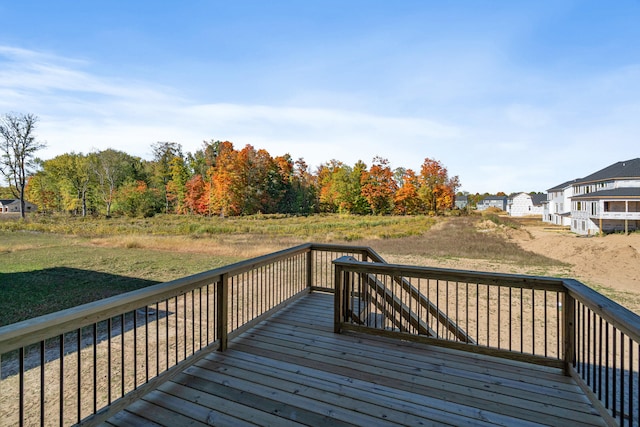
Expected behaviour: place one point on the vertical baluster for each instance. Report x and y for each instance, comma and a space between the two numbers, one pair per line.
600, 343
588, 354
43, 361
122, 348
630, 410
157, 338
488, 315
166, 332
510, 318
135, 349
606, 362
622, 378
558, 329
184, 324
193, 322
79, 374
208, 319
200, 317
499, 318
61, 394
109, 333
146, 343
21, 386
95, 367
614, 392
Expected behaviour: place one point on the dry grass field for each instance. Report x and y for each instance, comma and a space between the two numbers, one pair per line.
497, 244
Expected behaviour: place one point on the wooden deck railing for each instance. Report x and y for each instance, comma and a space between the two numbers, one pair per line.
83, 364
549, 321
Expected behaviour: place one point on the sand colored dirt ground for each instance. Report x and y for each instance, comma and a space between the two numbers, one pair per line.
609, 264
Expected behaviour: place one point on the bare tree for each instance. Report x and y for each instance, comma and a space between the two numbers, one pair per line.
17, 149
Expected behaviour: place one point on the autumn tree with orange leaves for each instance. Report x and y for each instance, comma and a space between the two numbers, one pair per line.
221, 180
379, 187
437, 191
407, 200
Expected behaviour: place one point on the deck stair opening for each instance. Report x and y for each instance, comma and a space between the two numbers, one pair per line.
376, 305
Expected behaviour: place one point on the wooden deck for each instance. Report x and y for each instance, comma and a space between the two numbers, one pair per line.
293, 370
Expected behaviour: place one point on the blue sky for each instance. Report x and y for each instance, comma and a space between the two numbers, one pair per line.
508, 95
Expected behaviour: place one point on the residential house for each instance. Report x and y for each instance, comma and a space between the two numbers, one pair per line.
499, 202
461, 202
557, 209
605, 201
13, 205
523, 204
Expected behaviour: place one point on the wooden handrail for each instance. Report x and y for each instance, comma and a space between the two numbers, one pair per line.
452, 275
622, 318
29, 331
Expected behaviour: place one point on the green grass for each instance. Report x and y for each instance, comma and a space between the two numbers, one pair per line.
44, 273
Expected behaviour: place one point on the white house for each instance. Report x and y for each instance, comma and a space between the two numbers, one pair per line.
605, 201
13, 205
524, 204
557, 209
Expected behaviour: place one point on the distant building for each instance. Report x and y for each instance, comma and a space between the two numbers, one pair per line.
605, 201
13, 205
557, 209
523, 204
499, 202
462, 202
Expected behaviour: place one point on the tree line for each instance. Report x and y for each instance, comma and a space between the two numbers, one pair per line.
219, 179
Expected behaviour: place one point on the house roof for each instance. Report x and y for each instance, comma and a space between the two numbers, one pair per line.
490, 198
8, 201
629, 192
624, 169
564, 185
538, 199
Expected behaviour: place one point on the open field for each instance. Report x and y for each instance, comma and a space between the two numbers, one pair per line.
54, 263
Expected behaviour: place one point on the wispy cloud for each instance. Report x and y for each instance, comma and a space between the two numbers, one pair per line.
536, 132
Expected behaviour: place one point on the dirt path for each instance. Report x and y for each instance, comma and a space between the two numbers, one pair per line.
611, 261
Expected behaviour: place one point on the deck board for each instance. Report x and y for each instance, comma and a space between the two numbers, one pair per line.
293, 370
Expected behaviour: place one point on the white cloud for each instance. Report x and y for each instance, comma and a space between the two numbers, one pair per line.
504, 143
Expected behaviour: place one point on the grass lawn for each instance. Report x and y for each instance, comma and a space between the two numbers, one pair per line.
52, 263
42, 273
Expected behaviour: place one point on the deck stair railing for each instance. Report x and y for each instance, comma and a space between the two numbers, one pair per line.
550, 321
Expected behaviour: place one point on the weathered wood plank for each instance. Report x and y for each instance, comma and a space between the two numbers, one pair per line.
408, 403
127, 419
224, 405
532, 384
479, 395
292, 370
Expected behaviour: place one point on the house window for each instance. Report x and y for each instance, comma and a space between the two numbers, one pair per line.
593, 208
579, 207
606, 206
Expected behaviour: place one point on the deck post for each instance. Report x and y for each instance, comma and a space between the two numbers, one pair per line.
310, 268
569, 312
338, 299
223, 311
